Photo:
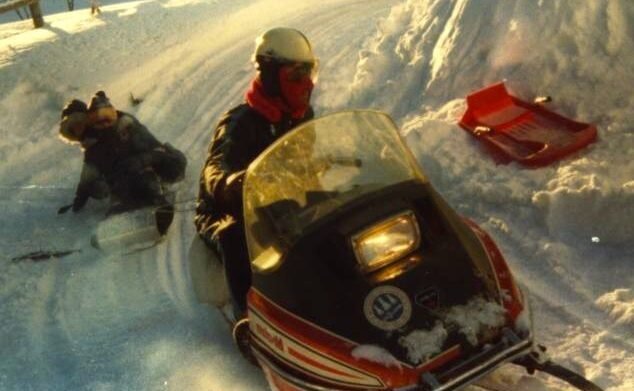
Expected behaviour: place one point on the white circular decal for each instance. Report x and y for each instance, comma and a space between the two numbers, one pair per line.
387, 307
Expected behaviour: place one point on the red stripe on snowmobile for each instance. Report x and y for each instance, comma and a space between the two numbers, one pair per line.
330, 349
315, 363
439, 360
502, 273
283, 346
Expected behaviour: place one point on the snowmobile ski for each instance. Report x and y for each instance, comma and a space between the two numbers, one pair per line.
560, 372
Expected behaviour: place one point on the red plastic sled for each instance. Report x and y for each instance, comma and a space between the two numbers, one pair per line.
521, 131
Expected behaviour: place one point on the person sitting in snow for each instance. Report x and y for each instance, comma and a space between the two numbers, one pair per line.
277, 101
122, 159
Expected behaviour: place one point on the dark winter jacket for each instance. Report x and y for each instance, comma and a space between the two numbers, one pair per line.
115, 149
240, 136
112, 155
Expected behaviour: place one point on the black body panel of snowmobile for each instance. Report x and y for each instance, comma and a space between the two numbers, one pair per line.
325, 254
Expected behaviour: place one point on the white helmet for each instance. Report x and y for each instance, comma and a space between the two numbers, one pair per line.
283, 44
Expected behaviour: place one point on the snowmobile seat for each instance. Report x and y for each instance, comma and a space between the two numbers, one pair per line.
515, 130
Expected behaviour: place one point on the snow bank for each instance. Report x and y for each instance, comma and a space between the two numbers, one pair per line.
430, 51
590, 201
581, 346
620, 305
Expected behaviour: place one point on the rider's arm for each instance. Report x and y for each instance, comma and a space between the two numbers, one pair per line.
88, 178
227, 157
140, 138
144, 148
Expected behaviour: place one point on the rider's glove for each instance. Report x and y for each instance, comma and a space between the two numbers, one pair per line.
231, 194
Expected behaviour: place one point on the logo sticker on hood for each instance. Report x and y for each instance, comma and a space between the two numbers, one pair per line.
387, 308
428, 299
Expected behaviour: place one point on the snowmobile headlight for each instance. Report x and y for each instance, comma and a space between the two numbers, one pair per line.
387, 241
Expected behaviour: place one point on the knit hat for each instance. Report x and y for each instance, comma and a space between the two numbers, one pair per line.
74, 106
101, 113
100, 100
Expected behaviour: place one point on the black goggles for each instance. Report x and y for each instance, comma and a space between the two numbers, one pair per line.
297, 71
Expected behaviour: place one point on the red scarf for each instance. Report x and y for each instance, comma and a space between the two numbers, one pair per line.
271, 108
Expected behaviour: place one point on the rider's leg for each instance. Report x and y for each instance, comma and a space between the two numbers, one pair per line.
235, 258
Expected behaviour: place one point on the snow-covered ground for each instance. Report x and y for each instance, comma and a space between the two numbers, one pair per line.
93, 321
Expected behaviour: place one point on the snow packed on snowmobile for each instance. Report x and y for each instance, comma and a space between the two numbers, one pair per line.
364, 278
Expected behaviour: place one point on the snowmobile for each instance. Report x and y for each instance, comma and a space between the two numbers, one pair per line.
364, 278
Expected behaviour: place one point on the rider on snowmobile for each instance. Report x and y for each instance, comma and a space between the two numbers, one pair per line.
278, 100
122, 159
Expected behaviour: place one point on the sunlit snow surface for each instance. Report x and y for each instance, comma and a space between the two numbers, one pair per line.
93, 321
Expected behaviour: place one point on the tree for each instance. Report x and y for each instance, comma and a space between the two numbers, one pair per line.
71, 4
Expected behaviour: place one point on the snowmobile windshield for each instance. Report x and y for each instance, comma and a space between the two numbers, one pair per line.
315, 169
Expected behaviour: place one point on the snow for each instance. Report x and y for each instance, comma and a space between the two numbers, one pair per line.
620, 305
524, 320
423, 344
95, 321
475, 317
472, 320
375, 354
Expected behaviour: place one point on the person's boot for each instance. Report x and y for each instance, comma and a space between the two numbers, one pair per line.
163, 216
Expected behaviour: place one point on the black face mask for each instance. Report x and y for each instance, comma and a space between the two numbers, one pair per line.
269, 71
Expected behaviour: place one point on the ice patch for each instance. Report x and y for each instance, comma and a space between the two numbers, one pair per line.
423, 344
476, 316
375, 354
